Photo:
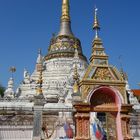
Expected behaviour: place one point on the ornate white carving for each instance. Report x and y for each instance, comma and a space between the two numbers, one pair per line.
9, 92
57, 78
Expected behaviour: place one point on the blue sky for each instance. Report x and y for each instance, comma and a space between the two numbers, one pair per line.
27, 25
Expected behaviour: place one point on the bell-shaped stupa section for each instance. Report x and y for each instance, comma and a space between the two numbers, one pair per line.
62, 44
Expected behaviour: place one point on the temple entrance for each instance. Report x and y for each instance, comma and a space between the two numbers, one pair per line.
105, 113
103, 119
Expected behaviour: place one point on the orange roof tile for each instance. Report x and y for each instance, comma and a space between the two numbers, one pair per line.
136, 92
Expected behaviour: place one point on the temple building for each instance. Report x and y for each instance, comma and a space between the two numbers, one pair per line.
68, 98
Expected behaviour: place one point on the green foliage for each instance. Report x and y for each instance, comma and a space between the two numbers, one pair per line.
2, 89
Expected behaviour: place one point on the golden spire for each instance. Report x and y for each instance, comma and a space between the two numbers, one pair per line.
65, 25
96, 26
65, 10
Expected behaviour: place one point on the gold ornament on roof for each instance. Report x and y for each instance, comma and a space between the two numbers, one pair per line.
75, 45
76, 80
96, 25
75, 87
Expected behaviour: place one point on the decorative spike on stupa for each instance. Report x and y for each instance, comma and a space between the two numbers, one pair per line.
76, 80
39, 61
65, 27
39, 84
75, 45
76, 51
76, 75
39, 58
39, 97
96, 25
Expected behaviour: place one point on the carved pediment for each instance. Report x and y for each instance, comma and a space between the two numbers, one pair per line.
102, 74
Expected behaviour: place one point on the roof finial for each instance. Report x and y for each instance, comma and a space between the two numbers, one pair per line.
96, 26
65, 10
124, 75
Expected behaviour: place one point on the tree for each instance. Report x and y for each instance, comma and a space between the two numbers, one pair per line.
2, 89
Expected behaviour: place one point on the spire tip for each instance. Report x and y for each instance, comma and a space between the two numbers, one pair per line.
96, 25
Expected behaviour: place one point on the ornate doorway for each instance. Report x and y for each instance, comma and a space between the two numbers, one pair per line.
110, 111
105, 105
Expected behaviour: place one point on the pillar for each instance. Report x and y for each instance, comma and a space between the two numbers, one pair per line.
82, 122
125, 121
37, 126
119, 125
